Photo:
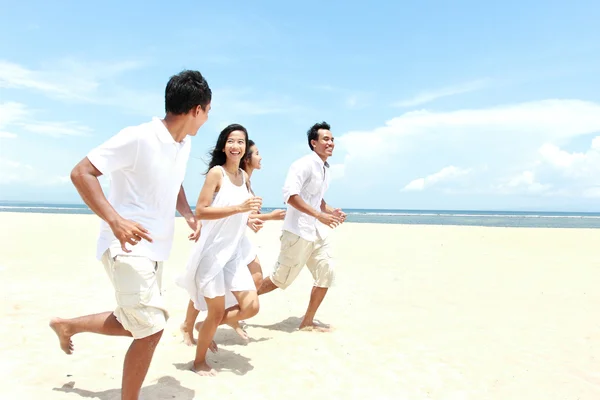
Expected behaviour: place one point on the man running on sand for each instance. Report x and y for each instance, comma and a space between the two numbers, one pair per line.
147, 164
304, 238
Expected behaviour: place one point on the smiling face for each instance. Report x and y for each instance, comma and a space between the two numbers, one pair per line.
255, 158
235, 146
324, 145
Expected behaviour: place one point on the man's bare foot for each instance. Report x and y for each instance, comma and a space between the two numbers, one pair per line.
203, 369
213, 346
60, 327
239, 330
188, 337
311, 326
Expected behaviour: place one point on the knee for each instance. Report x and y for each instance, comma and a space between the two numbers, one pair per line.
251, 308
215, 316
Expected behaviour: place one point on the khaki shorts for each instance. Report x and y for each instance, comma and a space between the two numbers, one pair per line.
137, 283
296, 252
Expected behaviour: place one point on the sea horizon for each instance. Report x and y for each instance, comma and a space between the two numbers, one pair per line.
462, 217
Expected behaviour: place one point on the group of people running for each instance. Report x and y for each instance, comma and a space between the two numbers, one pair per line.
223, 276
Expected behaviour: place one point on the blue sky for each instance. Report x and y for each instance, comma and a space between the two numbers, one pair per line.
434, 104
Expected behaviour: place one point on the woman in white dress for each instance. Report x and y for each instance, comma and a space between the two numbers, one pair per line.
250, 162
216, 265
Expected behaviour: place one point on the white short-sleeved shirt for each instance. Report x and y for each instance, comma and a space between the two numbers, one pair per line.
309, 178
146, 167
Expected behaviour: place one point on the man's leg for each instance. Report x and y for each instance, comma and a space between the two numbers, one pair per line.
104, 323
293, 253
137, 362
321, 267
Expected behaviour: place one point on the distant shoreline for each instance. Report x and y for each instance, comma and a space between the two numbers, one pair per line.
516, 219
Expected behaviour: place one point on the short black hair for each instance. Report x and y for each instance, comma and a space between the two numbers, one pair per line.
185, 91
313, 132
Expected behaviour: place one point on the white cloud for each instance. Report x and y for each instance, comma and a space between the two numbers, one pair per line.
241, 102
512, 148
337, 171
57, 129
12, 172
446, 174
431, 95
16, 117
524, 182
65, 79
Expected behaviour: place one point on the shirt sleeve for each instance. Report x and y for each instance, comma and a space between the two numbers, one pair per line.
297, 176
117, 153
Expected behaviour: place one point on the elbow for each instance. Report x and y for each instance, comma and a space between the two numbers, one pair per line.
76, 175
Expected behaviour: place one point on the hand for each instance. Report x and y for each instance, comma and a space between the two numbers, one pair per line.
255, 224
340, 213
331, 220
253, 204
196, 226
127, 231
278, 214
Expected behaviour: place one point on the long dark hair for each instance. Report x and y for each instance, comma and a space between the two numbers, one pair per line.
248, 156
217, 155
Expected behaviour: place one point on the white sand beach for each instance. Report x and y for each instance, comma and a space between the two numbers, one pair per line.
420, 312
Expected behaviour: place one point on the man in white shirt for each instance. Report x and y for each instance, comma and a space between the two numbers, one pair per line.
304, 237
146, 164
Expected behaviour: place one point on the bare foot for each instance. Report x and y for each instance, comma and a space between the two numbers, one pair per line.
188, 337
60, 327
314, 327
213, 346
239, 330
203, 369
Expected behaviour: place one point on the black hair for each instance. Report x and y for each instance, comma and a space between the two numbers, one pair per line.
217, 156
313, 132
185, 91
246, 159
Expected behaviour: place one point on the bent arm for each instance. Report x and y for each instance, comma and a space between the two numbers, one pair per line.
300, 205
204, 210
85, 179
326, 208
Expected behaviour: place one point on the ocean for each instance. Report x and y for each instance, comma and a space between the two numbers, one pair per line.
524, 219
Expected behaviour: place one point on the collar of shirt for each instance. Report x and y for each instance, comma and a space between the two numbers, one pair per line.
163, 133
321, 162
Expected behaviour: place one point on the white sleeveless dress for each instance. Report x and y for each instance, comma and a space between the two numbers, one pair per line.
216, 265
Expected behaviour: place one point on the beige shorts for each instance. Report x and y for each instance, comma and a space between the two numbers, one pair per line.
137, 282
296, 252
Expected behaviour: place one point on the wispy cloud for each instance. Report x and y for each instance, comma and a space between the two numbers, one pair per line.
431, 95
12, 172
244, 101
16, 117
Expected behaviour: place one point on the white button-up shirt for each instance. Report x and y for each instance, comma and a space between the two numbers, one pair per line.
308, 177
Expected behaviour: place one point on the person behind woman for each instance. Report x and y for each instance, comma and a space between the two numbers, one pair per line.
250, 162
216, 266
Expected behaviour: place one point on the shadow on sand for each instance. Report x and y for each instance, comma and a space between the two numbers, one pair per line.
166, 387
